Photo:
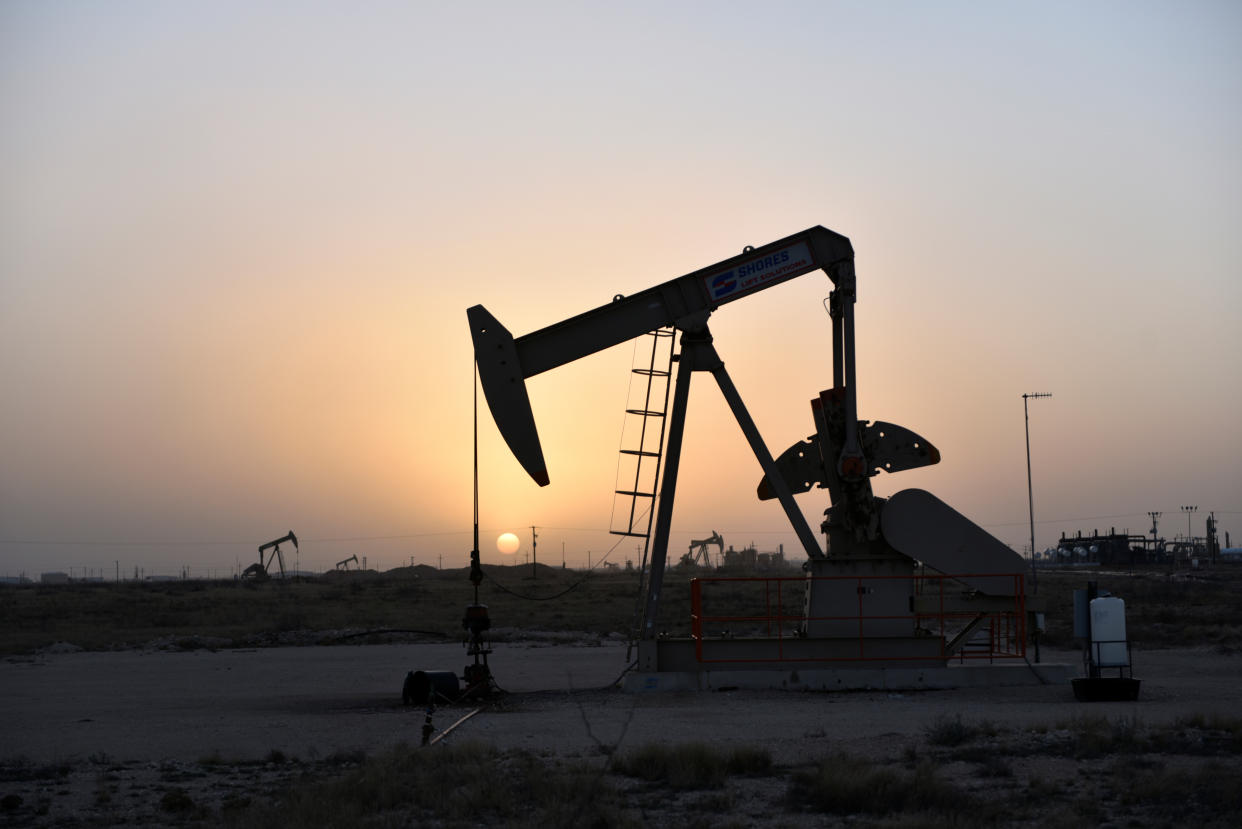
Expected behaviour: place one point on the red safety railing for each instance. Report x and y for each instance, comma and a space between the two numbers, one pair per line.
962, 633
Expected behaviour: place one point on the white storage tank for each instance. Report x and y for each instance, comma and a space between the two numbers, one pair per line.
1108, 632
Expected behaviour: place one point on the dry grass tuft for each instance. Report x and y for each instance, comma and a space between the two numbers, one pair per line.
843, 784
692, 765
460, 785
950, 731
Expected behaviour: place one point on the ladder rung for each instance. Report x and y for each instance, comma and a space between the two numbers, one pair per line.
657, 394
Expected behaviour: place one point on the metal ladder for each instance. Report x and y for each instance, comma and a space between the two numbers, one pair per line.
642, 438
642, 446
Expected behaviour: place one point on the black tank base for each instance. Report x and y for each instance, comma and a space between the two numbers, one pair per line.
1106, 689
422, 687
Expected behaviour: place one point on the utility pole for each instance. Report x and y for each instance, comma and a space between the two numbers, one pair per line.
1190, 543
1210, 538
1155, 518
1030, 498
534, 572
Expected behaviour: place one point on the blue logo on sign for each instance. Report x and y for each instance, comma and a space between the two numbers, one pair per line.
723, 284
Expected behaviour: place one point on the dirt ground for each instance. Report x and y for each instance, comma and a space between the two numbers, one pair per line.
141, 718
143, 705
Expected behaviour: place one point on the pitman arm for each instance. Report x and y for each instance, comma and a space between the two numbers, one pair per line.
685, 303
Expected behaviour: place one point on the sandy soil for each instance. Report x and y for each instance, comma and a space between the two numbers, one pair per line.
160, 714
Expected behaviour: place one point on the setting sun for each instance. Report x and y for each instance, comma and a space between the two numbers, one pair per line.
507, 543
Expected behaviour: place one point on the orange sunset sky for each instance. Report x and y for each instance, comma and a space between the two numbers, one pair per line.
237, 242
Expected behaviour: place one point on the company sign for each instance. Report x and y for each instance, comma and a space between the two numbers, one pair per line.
749, 275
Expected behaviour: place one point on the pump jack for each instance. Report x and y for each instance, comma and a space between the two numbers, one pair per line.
867, 537
699, 553
261, 570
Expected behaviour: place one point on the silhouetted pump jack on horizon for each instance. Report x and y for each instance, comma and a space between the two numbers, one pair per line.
261, 570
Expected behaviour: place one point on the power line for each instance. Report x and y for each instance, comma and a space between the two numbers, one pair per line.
1093, 518
209, 543
399, 536
571, 587
1064, 520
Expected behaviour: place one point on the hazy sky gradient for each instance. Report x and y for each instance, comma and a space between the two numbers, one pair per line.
237, 242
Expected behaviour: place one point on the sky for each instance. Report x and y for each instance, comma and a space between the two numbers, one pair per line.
238, 241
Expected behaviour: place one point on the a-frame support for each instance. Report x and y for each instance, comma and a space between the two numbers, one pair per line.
698, 354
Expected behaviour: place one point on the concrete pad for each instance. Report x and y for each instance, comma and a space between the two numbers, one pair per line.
852, 679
